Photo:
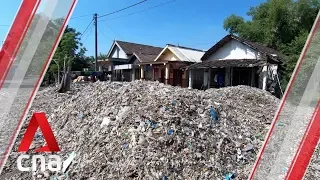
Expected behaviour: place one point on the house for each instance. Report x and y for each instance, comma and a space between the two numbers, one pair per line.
103, 65
166, 66
235, 61
125, 58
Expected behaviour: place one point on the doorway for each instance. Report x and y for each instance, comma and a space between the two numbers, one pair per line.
177, 77
162, 76
241, 76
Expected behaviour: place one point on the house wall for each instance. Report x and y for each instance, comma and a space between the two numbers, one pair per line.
169, 56
118, 53
235, 50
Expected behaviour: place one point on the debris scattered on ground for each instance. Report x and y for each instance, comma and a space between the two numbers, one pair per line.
148, 130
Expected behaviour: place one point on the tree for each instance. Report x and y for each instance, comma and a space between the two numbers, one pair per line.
280, 24
232, 24
102, 56
69, 49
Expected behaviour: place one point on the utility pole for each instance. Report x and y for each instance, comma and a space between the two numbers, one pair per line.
95, 17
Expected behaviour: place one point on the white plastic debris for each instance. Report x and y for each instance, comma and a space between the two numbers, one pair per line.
105, 122
148, 130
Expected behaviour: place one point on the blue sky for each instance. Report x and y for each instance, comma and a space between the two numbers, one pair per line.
192, 23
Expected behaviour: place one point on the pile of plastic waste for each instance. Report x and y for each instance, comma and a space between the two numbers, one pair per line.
148, 130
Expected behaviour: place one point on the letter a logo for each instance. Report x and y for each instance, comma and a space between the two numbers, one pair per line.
39, 120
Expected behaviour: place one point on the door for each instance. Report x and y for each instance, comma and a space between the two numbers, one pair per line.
177, 77
162, 76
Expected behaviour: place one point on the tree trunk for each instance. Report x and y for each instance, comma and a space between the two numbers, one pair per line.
65, 84
66, 81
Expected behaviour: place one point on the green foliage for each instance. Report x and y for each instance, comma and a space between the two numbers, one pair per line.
280, 24
102, 56
70, 49
71, 52
232, 23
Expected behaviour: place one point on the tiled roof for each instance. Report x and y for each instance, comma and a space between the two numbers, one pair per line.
145, 53
227, 63
147, 57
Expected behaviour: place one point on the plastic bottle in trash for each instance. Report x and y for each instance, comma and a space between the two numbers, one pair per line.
213, 114
170, 132
231, 176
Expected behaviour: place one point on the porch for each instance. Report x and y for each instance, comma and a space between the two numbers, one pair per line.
167, 72
223, 73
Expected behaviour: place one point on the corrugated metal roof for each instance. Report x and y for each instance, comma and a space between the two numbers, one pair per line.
187, 54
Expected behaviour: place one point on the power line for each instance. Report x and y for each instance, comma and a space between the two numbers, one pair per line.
111, 12
81, 16
86, 28
112, 30
123, 9
152, 7
103, 34
90, 32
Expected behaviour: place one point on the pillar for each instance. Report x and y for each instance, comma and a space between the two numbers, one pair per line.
231, 74
264, 77
156, 73
209, 78
112, 72
141, 72
253, 77
167, 74
133, 73
227, 78
190, 79
121, 75
205, 78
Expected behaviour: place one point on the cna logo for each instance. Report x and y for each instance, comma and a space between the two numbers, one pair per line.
39, 120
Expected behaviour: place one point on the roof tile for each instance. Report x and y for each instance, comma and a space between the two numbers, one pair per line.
145, 53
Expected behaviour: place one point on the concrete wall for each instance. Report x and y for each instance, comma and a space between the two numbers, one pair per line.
235, 50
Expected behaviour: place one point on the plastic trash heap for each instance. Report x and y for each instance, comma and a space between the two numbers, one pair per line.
148, 130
